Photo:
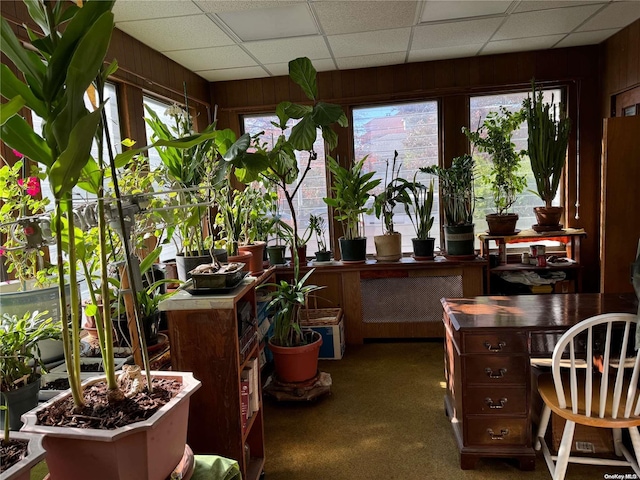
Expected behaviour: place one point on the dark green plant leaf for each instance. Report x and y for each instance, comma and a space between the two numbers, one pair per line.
11, 86
9, 109
326, 113
301, 71
37, 14
18, 134
239, 147
281, 113
297, 111
330, 137
65, 172
303, 134
90, 177
26, 61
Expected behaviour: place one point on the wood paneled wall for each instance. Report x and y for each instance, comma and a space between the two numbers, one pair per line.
452, 82
620, 64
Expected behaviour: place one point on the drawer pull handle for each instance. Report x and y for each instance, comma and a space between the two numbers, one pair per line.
498, 348
498, 405
494, 436
491, 374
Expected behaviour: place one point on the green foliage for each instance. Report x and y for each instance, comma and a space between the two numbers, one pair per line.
456, 189
419, 209
394, 193
351, 191
318, 225
19, 352
547, 142
494, 138
286, 300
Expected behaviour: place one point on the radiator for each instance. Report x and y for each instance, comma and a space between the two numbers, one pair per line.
407, 299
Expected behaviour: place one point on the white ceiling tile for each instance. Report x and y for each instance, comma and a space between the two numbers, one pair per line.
370, 43
284, 49
166, 34
586, 38
614, 15
217, 6
544, 22
126, 10
442, 53
210, 58
455, 33
521, 44
350, 17
530, 5
221, 75
278, 69
448, 10
267, 23
364, 61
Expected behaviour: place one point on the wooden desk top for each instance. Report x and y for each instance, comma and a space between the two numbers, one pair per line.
534, 312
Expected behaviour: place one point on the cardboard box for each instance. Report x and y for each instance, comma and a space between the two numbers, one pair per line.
587, 440
328, 322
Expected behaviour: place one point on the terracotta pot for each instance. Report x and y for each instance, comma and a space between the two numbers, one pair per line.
388, 247
502, 224
302, 254
296, 364
548, 216
150, 449
35, 453
256, 266
243, 257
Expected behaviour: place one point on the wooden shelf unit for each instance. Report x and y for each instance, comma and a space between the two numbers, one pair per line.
205, 340
570, 237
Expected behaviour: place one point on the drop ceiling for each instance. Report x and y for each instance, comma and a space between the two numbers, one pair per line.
232, 40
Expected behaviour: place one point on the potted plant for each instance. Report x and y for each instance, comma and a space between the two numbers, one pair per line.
19, 361
494, 138
458, 203
419, 212
19, 453
288, 339
319, 227
351, 189
58, 68
547, 147
389, 245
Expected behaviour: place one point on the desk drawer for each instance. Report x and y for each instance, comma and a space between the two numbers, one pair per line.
492, 343
496, 431
495, 369
496, 400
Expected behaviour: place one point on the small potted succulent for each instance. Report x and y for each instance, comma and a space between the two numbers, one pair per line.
319, 227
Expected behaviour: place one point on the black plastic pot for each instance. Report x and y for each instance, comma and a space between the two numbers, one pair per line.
423, 248
323, 256
187, 263
20, 401
276, 254
354, 250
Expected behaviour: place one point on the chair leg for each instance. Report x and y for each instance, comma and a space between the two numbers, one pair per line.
635, 441
617, 441
542, 428
564, 451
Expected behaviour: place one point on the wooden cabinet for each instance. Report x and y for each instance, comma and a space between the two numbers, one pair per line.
206, 339
488, 385
569, 237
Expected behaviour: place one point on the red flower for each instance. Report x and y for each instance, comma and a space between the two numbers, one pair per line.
2, 252
29, 230
33, 185
17, 153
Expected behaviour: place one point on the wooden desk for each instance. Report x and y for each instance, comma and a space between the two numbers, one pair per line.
488, 345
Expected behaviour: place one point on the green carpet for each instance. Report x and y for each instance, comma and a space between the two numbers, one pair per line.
384, 420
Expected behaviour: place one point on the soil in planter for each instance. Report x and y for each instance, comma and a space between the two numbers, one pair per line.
98, 414
57, 384
11, 453
90, 367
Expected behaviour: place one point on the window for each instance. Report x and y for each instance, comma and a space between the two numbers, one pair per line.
412, 130
159, 108
480, 106
308, 199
